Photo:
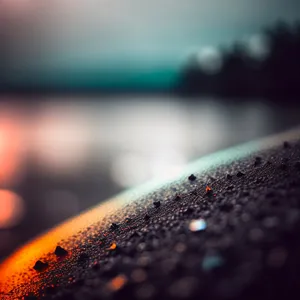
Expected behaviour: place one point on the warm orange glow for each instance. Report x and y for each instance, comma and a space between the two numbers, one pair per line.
208, 189
113, 246
117, 282
22, 261
17, 276
11, 209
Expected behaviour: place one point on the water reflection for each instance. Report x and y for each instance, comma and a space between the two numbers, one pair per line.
62, 156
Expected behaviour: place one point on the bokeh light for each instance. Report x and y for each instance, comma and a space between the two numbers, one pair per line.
210, 59
11, 209
12, 148
258, 46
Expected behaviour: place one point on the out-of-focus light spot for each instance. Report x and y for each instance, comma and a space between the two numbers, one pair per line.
139, 275
210, 60
167, 164
197, 225
211, 262
11, 151
11, 209
258, 46
16, 7
131, 169
117, 283
61, 140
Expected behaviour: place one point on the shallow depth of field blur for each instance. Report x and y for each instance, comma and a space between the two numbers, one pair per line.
100, 96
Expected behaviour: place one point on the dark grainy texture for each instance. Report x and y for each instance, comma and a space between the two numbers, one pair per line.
248, 250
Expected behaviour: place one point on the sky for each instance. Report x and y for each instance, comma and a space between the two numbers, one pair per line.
123, 42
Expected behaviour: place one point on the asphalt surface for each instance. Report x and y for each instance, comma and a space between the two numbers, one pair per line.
244, 243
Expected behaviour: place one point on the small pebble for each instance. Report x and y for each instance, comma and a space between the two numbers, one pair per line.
197, 225
113, 246
156, 204
60, 252
229, 177
192, 177
114, 226
177, 198
208, 191
128, 220
257, 161
40, 266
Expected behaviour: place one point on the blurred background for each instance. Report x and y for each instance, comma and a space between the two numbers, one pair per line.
97, 96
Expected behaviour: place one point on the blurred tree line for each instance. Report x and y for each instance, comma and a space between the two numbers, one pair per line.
276, 75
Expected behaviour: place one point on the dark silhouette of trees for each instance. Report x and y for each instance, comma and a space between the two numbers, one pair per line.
277, 75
